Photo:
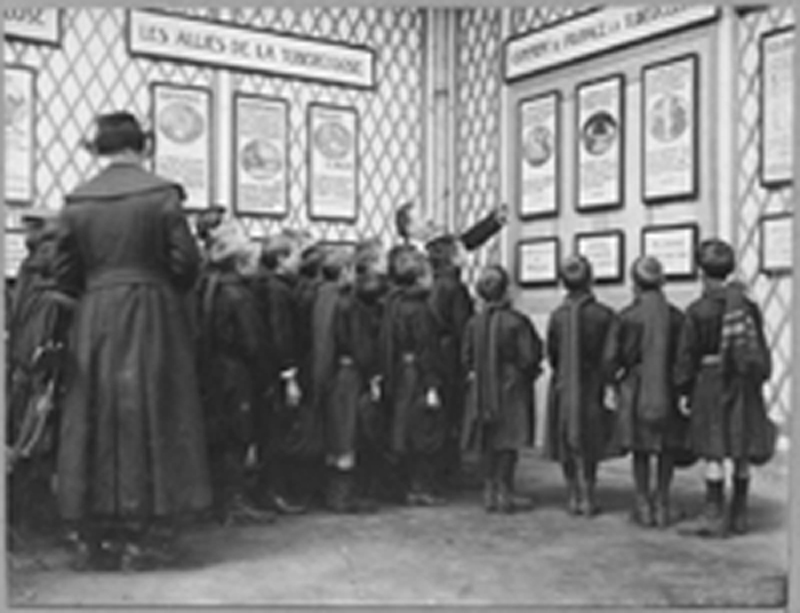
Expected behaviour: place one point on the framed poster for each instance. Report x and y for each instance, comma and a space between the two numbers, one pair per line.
20, 136
776, 243
606, 252
539, 156
537, 261
15, 252
182, 121
675, 247
333, 163
777, 107
260, 155
670, 130
601, 143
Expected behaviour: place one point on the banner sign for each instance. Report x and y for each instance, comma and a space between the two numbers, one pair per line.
34, 25
596, 32
171, 37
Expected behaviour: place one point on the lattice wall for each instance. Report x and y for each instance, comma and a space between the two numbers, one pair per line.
535, 18
92, 72
774, 295
479, 82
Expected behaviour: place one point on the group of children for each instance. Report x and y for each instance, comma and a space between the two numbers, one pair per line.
341, 379
378, 367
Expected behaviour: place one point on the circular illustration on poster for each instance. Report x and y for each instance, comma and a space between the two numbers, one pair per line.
669, 118
16, 110
333, 140
181, 123
261, 159
537, 146
599, 133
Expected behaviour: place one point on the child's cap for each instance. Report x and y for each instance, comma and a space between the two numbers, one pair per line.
647, 272
716, 258
493, 283
576, 272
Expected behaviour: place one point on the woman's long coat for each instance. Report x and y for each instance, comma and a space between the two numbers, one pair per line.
504, 351
132, 436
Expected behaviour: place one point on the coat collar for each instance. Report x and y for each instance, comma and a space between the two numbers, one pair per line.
117, 180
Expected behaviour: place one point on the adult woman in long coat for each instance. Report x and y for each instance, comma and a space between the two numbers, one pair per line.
132, 442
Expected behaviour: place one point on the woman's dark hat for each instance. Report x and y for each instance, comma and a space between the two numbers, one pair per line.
116, 132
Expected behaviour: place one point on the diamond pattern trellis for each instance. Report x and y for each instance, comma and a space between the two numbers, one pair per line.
479, 83
773, 295
92, 73
525, 20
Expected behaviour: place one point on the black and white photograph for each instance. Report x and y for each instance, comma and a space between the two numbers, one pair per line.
472, 306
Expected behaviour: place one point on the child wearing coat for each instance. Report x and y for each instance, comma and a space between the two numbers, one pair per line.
640, 356
579, 426
502, 354
723, 362
350, 441
411, 375
231, 362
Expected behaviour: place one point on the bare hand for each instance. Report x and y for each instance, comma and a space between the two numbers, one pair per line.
502, 213
375, 389
432, 399
293, 393
683, 406
610, 399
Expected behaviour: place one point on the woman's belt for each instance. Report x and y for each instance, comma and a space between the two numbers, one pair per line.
409, 358
711, 360
124, 276
346, 360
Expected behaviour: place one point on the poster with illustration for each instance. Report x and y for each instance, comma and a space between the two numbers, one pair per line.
539, 154
669, 130
20, 107
600, 143
182, 124
777, 118
333, 163
261, 155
